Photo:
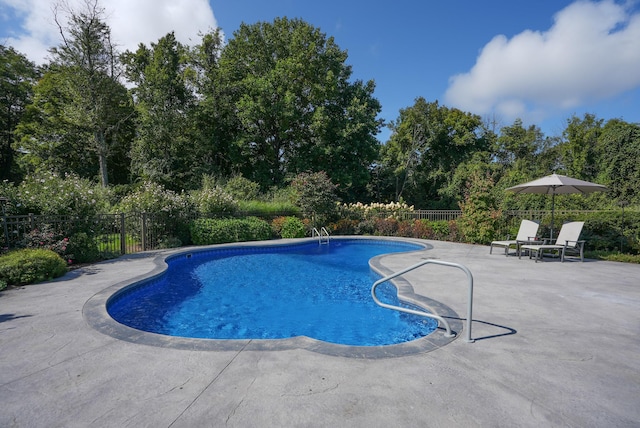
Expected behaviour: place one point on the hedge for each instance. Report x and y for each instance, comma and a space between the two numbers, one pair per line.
208, 231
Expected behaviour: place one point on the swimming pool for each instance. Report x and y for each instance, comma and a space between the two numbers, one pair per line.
273, 292
154, 266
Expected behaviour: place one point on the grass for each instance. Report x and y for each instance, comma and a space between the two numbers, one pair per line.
268, 208
111, 242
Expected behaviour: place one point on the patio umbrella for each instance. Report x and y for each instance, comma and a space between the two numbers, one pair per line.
556, 184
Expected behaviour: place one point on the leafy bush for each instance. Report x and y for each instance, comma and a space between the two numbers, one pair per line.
480, 218
440, 230
276, 226
345, 226
209, 231
315, 195
213, 200
83, 248
386, 226
293, 227
27, 266
242, 188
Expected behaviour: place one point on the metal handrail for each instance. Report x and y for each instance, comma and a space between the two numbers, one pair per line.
323, 232
426, 314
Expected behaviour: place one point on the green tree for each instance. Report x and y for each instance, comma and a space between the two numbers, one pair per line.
17, 77
88, 65
213, 118
579, 150
162, 151
296, 110
428, 142
480, 214
55, 136
618, 154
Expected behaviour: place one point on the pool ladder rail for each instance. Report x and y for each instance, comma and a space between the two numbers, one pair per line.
443, 321
322, 234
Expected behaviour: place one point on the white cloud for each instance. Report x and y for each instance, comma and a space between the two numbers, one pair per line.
131, 21
591, 53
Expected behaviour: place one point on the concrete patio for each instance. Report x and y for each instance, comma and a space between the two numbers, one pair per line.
556, 344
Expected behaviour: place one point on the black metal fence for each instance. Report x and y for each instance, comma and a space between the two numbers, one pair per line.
114, 234
127, 233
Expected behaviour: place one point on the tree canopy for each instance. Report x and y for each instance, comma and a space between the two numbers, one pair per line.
276, 100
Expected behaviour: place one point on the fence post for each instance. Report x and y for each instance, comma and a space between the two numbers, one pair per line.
144, 232
123, 236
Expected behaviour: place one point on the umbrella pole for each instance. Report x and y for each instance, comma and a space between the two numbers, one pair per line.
553, 208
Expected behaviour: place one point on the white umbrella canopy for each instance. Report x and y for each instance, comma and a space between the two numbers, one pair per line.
556, 184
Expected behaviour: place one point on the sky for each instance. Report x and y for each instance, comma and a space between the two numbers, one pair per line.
541, 61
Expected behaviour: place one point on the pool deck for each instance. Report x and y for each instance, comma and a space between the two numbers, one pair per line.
556, 344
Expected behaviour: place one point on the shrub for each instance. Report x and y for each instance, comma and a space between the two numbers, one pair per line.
386, 226
51, 194
212, 201
154, 198
276, 226
83, 248
314, 194
440, 230
360, 211
27, 266
293, 227
242, 188
209, 231
480, 219
170, 211
345, 226
48, 238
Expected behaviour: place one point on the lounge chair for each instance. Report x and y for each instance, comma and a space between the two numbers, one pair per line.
526, 233
568, 242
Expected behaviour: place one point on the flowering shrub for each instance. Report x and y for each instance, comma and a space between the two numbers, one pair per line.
154, 198
48, 193
213, 200
360, 211
49, 239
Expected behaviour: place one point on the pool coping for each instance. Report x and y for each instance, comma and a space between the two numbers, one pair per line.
95, 312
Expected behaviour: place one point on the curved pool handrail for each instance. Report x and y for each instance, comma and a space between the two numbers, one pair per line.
426, 314
322, 234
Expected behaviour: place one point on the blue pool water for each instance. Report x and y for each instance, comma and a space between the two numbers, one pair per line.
319, 291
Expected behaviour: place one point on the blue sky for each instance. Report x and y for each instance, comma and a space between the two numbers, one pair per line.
541, 61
